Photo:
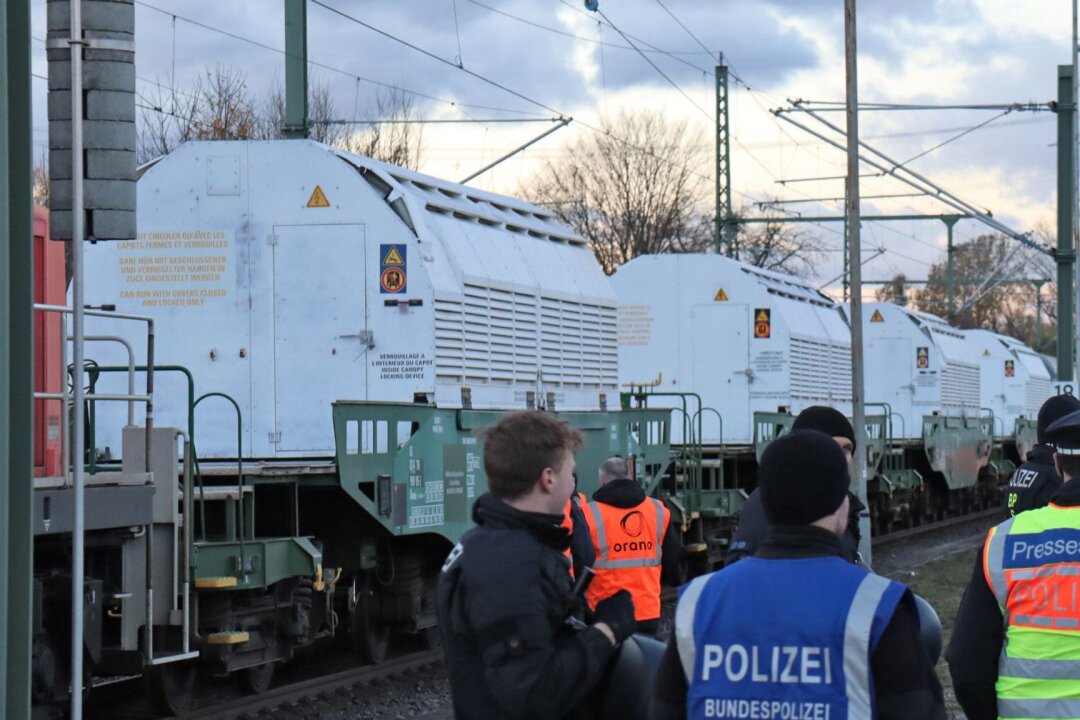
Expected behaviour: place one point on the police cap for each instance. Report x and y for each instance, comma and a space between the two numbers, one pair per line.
1064, 434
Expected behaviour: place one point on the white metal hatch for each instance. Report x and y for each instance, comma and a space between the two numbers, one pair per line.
317, 360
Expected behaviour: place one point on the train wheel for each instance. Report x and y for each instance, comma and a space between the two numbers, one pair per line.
171, 687
370, 637
430, 639
256, 679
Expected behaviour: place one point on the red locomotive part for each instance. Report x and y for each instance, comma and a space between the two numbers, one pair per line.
50, 283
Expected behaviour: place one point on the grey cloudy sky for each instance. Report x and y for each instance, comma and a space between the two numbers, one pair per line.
558, 55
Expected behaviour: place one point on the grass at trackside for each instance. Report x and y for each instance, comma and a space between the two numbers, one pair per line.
942, 583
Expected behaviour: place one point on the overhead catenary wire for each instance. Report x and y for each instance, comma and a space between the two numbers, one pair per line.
433, 56
510, 90
313, 63
680, 23
917, 181
957, 137
656, 67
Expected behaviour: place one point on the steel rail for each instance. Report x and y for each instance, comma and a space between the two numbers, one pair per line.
293, 693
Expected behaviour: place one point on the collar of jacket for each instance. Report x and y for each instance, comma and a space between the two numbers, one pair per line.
620, 493
1068, 495
799, 541
1042, 454
491, 512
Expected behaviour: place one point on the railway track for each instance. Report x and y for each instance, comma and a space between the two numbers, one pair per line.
298, 694
920, 530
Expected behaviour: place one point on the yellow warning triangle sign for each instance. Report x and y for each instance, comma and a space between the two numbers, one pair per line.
393, 257
318, 198
877, 316
721, 296
762, 317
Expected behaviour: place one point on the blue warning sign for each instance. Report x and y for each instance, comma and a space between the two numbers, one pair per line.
392, 266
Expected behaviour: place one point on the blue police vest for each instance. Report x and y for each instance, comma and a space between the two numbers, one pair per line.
783, 639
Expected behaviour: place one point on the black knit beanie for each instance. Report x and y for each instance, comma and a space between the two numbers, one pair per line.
803, 476
827, 420
1053, 409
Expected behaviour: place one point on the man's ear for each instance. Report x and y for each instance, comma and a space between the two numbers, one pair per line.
547, 479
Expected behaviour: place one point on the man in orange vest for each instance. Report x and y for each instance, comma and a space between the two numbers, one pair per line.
630, 533
580, 552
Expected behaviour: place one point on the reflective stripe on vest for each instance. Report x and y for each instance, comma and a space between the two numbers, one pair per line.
1055, 708
1032, 565
603, 552
856, 643
994, 561
684, 624
628, 553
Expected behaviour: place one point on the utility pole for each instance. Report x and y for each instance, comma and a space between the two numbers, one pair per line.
855, 265
724, 233
1066, 253
950, 272
296, 92
16, 361
1073, 198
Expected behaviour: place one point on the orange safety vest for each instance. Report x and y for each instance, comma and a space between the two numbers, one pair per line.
627, 542
568, 523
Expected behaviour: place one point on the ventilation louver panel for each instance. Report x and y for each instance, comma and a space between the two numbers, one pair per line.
960, 386
504, 337
820, 371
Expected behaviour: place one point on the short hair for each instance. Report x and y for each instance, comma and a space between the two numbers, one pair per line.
615, 468
520, 446
1070, 465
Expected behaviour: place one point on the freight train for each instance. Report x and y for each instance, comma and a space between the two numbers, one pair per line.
327, 333
737, 351
321, 334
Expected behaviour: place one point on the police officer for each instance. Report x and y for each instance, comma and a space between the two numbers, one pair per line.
1034, 482
633, 539
753, 526
505, 592
1015, 647
796, 630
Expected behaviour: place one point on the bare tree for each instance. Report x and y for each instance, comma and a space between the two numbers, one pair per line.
776, 245
894, 291
990, 288
633, 189
399, 142
271, 114
216, 106
41, 179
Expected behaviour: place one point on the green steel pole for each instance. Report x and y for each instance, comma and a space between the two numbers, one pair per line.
950, 272
16, 360
724, 227
296, 91
1066, 254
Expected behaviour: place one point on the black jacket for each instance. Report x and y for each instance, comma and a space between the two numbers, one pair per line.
504, 596
905, 685
628, 494
1034, 482
582, 552
753, 527
979, 633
